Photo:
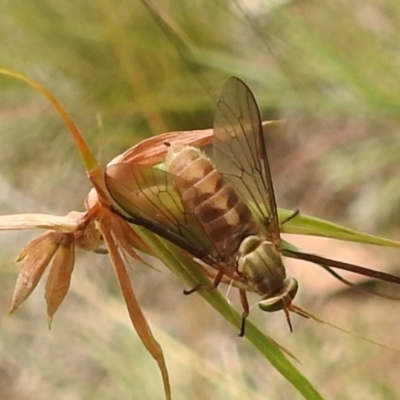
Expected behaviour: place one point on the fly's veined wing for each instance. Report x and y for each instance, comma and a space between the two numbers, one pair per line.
239, 153
148, 198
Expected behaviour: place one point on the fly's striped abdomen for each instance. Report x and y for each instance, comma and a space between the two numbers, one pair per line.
225, 218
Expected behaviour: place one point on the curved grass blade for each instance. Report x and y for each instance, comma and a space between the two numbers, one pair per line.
182, 265
88, 158
96, 176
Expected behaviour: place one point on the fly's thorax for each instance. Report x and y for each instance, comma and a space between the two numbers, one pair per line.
221, 212
261, 266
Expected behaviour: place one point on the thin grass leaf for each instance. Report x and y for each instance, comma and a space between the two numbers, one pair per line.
183, 266
306, 225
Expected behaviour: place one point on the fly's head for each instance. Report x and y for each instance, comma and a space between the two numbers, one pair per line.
282, 300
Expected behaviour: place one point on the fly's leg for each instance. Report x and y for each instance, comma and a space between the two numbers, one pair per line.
287, 302
194, 289
199, 286
246, 310
290, 217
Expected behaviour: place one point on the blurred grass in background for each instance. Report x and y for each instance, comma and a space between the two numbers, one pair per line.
331, 69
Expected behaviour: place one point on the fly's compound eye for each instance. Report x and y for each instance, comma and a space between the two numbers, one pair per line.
283, 299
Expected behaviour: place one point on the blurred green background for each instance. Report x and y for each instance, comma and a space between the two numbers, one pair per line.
329, 68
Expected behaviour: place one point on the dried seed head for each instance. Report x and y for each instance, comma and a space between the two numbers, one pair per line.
35, 258
59, 278
89, 238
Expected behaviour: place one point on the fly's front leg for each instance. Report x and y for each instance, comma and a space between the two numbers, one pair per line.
200, 286
290, 217
246, 310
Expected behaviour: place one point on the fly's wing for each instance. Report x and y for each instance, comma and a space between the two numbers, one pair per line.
147, 198
240, 154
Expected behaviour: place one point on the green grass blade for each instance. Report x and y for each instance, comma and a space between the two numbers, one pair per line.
306, 225
183, 266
